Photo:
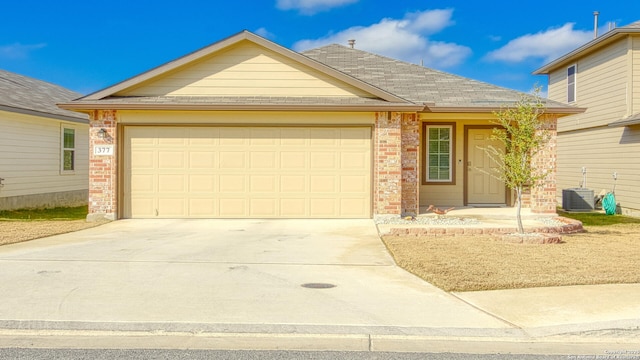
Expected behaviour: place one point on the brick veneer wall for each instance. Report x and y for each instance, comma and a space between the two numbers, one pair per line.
387, 173
543, 193
410, 181
103, 175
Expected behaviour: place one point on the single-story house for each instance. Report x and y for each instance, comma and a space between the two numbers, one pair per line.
247, 128
44, 158
602, 76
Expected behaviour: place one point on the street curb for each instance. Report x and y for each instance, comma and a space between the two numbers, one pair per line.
68, 339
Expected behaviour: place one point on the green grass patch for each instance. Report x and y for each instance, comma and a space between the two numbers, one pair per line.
59, 213
599, 219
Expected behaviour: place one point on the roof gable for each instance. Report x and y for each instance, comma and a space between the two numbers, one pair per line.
245, 69
593, 45
223, 69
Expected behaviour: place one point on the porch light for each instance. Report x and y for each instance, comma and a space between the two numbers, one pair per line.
102, 133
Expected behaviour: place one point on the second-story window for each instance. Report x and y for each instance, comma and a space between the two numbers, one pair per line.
571, 84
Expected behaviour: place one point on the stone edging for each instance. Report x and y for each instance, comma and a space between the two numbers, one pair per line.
570, 226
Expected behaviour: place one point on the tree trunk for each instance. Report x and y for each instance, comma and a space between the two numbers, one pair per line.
518, 208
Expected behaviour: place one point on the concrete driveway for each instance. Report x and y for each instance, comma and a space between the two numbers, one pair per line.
226, 276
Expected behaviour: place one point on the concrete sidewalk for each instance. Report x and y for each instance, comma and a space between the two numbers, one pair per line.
239, 284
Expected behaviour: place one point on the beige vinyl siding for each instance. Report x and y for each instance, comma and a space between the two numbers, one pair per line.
635, 91
601, 87
602, 151
246, 69
30, 156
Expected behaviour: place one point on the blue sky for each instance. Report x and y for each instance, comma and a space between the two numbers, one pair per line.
89, 45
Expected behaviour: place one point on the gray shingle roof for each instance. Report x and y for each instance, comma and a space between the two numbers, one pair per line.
394, 83
635, 25
415, 83
27, 95
628, 121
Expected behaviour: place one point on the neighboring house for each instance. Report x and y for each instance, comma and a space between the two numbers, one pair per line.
248, 128
604, 77
44, 156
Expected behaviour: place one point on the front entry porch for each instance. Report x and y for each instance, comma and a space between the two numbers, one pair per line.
455, 170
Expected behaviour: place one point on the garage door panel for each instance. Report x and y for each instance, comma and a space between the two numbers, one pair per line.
326, 160
294, 172
232, 207
171, 160
293, 137
293, 160
352, 207
263, 184
353, 184
293, 183
232, 183
232, 159
322, 207
323, 184
171, 183
202, 183
262, 159
324, 137
354, 137
143, 206
264, 137
172, 137
202, 207
171, 207
233, 136
143, 183
202, 160
294, 207
203, 136
143, 159
263, 207
354, 161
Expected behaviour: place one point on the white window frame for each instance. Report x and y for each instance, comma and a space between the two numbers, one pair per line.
452, 129
63, 149
572, 85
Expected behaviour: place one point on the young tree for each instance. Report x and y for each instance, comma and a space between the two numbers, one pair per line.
523, 135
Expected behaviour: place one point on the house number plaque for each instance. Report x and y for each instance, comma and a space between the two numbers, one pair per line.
103, 150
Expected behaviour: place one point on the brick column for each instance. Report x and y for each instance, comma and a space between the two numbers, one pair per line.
543, 193
410, 145
387, 173
103, 169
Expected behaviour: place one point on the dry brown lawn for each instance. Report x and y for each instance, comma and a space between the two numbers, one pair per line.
14, 231
601, 255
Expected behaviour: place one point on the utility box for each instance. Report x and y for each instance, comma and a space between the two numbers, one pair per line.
577, 199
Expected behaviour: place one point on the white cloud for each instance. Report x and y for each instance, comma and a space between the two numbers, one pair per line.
18, 51
264, 33
310, 7
405, 39
547, 45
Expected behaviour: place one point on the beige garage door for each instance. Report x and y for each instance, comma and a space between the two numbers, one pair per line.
239, 172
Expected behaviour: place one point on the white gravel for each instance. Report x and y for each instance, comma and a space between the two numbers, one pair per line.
449, 220
426, 220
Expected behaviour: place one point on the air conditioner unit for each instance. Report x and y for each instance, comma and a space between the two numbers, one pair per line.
577, 199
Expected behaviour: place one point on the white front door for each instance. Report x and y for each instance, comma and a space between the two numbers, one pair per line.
482, 188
